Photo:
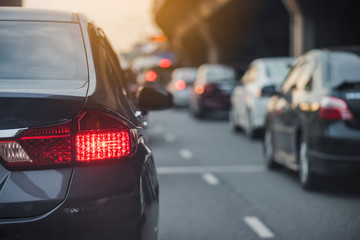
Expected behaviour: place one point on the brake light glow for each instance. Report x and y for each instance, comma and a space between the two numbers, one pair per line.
332, 108
180, 85
92, 136
165, 63
100, 138
199, 89
150, 76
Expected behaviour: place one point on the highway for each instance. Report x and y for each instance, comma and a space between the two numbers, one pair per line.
213, 185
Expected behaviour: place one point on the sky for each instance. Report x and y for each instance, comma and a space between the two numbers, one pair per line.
125, 22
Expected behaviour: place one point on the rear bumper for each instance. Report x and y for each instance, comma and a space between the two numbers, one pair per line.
334, 165
215, 103
104, 218
114, 200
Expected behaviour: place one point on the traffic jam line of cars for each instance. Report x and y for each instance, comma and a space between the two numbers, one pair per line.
307, 111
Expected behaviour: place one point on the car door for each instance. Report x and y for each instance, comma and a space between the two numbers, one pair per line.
283, 117
302, 104
243, 95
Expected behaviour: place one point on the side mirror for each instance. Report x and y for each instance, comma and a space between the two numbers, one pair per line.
153, 97
269, 91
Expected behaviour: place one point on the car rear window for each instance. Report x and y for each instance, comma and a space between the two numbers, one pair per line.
215, 74
38, 51
344, 67
188, 75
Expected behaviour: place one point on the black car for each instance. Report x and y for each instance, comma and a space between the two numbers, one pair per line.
212, 89
74, 162
313, 123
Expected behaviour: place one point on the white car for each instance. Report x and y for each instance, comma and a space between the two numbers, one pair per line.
252, 93
182, 80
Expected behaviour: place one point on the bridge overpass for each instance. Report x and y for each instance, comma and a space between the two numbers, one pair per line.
238, 31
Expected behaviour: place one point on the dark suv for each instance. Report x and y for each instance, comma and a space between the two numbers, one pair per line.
313, 124
74, 162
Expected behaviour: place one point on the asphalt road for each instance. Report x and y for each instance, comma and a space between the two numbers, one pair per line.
213, 185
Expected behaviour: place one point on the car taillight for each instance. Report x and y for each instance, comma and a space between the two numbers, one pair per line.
180, 85
332, 108
101, 137
199, 89
93, 136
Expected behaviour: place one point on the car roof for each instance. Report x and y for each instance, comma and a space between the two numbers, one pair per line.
27, 14
274, 59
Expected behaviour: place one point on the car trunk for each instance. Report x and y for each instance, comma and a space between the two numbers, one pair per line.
32, 192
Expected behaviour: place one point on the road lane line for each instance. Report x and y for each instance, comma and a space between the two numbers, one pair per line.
210, 179
169, 137
186, 153
258, 227
212, 169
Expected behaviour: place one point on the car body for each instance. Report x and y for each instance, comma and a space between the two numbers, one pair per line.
250, 96
313, 123
180, 85
73, 160
212, 88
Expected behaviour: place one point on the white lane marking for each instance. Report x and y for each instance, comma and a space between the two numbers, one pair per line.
210, 179
186, 153
258, 227
169, 137
211, 169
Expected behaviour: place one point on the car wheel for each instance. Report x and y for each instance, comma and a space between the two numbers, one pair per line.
308, 179
232, 122
268, 150
250, 132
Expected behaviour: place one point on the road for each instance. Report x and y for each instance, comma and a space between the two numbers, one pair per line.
213, 185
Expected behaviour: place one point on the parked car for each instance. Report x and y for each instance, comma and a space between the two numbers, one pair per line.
73, 160
313, 123
212, 88
180, 85
252, 93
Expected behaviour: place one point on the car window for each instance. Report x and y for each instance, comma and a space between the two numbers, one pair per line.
291, 80
344, 67
215, 74
277, 70
41, 51
305, 79
250, 75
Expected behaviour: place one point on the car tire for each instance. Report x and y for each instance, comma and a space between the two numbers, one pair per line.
268, 150
250, 131
307, 178
232, 122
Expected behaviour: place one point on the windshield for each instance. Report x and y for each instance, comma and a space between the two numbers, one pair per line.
37, 51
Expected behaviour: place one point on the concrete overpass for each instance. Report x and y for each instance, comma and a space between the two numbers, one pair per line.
238, 31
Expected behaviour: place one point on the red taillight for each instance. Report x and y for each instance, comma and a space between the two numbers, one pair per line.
93, 136
332, 108
165, 63
49, 145
180, 85
150, 76
101, 138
